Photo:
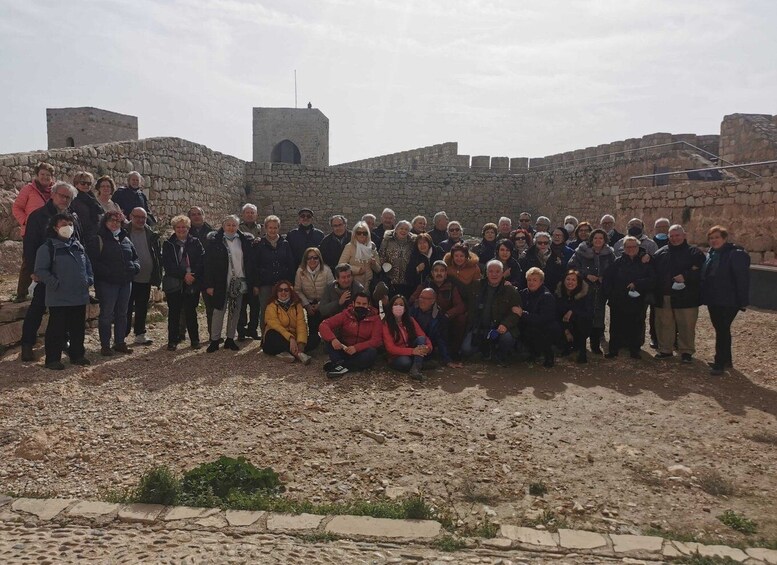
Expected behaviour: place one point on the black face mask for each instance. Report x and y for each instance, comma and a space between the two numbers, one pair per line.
635, 231
360, 312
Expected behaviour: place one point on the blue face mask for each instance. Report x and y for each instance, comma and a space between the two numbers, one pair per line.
662, 236
230, 236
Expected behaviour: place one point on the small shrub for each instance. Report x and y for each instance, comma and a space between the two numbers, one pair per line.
538, 489
158, 486
416, 508
448, 543
225, 475
486, 529
712, 482
738, 522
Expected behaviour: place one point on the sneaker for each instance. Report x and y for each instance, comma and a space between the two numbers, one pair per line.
336, 372
141, 339
304, 358
196, 345
214, 346
717, 370
329, 365
662, 355
56, 366
83, 361
286, 357
416, 374
122, 348
653, 344
231, 345
686, 358
106, 351
172, 346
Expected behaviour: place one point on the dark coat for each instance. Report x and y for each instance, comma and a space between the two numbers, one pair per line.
438, 236
434, 324
451, 296
539, 311
412, 276
274, 264
192, 252
672, 260
554, 267
615, 237
623, 272
300, 238
202, 233
485, 250
89, 211
156, 255
36, 231
63, 266
332, 248
725, 279
113, 261
446, 244
587, 262
501, 308
128, 199
581, 303
516, 276
217, 264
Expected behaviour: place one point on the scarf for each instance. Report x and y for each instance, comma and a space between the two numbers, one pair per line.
363, 252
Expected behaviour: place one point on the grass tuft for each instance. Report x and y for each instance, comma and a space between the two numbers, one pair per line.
712, 482
448, 543
538, 489
738, 522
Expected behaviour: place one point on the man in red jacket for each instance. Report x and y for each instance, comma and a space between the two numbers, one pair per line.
352, 337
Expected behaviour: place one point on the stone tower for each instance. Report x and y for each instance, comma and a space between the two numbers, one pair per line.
291, 135
74, 127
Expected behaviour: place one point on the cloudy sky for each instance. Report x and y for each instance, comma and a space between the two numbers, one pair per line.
503, 78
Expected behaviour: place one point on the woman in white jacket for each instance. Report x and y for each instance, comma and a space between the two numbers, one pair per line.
361, 254
311, 280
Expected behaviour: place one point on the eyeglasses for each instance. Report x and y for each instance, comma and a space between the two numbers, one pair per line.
84, 182
524, 220
284, 290
361, 233
65, 196
454, 229
306, 216
116, 220
520, 239
312, 258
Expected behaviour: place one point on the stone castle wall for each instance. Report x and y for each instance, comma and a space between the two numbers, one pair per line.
749, 138
177, 174
307, 128
74, 127
440, 154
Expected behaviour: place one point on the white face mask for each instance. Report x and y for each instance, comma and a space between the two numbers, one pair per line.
65, 231
569, 227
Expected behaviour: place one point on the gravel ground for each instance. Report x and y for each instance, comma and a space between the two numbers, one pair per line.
621, 445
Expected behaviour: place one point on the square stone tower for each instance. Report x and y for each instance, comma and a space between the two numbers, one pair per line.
74, 127
291, 135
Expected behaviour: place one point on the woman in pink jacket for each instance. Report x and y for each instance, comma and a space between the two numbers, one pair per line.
404, 340
32, 196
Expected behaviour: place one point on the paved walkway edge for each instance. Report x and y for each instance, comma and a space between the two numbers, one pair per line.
101, 514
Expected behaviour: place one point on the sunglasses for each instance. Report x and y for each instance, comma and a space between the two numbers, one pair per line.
454, 229
520, 239
361, 233
284, 290
312, 258
84, 182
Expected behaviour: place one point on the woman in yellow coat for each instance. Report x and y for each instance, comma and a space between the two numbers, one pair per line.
285, 332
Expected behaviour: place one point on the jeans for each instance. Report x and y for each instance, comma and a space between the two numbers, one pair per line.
503, 346
404, 363
178, 302
65, 322
138, 304
722, 317
357, 362
34, 315
114, 301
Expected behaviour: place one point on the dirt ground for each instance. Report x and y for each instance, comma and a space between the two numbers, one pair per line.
621, 445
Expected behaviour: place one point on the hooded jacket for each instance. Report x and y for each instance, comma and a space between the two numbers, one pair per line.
114, 261
361, 334
580, 304
466, 274
64, 267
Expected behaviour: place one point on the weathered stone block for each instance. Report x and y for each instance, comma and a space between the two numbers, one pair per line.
93, 509
143, 513
188, 513
43, 508
528, 536
628, 543
240, 518
579, 539
281, 522
383, 527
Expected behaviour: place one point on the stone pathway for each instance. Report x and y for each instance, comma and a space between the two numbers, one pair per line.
70, 531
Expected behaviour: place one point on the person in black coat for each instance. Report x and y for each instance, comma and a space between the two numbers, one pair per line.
677, 295
332, 245
274, 260
537, 312
575, 311
423, 256
115, 264
725, 289
228, 277
505, 252
182, 260
486, 249
85, 205
132, 196
303, 236
62, 195
627, 283
607, 223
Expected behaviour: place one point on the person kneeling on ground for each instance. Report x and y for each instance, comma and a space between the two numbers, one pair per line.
434, 322
538, 317
285, 331
352, 337
575, 309
493, 322
405, 341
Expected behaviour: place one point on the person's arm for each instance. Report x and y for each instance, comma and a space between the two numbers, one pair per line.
459, 307
347, 256
89, 271
171, 266
302, 326
298, 288
328, 326
273, 322
376, 336
740, 272
135, 265
42, 266
511, 319
19, 207
392, 348
330, 302
32, 239
419, 332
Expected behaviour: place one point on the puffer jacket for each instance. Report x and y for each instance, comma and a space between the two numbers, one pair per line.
29, 199
289, 322
114, 261
64, 267
350, 331
274, 263
361, 270
581, 304
468, 274
539, 310
397, 253
725, 279
310, 288
587, 262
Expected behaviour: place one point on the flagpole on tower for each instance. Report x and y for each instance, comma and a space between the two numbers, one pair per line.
295, 88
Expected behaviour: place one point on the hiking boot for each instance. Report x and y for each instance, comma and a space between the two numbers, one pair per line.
231, 345
196, 345
55, 365
611, 355
106, 351
304, 358
83, 361
336, 372
122, 348
686, 358
214, 346
662, 355
27, 353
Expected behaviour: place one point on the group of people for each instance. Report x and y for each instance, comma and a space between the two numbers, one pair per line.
421, 291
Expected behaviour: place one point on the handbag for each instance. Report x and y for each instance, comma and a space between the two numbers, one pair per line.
171, 284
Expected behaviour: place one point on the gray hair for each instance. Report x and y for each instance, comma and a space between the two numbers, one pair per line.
135, 174
249, 206
232, 217
505, 219
541, 234
338, 217
676, 227
570, 219
365, 216
542, 220
607, 217
455, 223
439, 215
629, 238
60, 185
403, 223
661, 220
388, 211
495, 262
641, 223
